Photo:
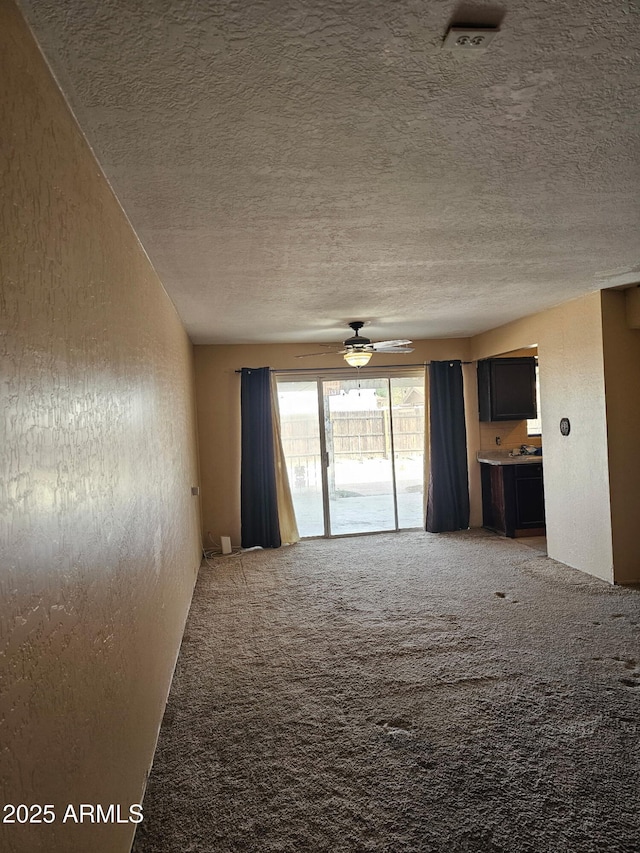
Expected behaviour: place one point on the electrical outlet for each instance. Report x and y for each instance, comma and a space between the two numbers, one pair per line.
498, 440
195, 491
463, 38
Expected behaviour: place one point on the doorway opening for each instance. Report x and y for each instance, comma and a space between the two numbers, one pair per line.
354, 449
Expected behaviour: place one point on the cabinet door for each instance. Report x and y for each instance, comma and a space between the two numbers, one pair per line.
495, 509
507, 389
529, 493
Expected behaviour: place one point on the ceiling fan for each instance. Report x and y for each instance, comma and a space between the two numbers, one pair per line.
358, 350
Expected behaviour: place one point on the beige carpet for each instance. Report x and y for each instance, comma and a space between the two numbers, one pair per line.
402, 692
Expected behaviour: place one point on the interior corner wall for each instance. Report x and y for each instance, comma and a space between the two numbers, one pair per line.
98, 529
218, 399
576, 467
622, 384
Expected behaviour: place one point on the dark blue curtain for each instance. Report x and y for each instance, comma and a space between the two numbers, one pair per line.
448, 492
258, 498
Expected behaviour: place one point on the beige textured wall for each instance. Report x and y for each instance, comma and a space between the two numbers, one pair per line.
622, 383
576, 470
218, 396
470, 379
99, 532
632, 306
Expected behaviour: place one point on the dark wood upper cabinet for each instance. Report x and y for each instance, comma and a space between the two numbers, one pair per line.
507, 389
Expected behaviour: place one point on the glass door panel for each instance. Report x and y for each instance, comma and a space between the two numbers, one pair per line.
300, 428
408, 406
359, 452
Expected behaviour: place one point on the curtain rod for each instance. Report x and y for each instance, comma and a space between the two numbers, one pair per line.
367, 368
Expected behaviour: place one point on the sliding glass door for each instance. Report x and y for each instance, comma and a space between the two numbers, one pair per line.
407, 413
300, 431
359, 455
355, 452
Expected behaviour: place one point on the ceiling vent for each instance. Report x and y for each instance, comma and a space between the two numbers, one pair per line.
465, 38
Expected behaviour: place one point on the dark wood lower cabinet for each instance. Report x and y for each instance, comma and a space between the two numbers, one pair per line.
513, 499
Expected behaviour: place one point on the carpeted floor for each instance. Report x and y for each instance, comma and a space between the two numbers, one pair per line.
401, 692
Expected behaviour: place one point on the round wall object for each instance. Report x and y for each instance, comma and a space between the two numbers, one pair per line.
565, 426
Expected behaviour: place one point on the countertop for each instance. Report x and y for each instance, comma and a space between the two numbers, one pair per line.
498, 457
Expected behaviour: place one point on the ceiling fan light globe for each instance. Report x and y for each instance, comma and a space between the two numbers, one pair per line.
358, 358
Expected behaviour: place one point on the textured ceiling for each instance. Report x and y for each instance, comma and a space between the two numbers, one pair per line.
291, 165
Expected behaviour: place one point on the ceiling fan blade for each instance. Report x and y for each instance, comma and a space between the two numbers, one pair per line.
324, 352
396, 349
387, 344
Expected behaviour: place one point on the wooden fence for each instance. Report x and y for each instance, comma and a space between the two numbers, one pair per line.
354, 434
